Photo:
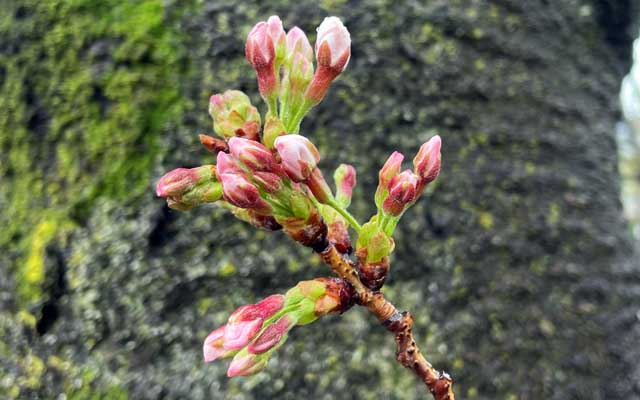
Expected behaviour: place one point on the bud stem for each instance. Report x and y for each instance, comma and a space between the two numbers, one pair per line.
350, 218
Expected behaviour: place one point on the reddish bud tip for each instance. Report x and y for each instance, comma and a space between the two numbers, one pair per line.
427, 161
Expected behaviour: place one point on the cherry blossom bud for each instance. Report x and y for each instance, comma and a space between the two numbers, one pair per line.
252, 154
298, 155
273, 335
333, 45
278, 37
233, 115
227, 165
427, 161
247, 321
345, 179
268, 181
261, 53
333, 50
241, 193
214, 145
213, 346
207, 192
181, 180
246, 364
390, 169
403, 191
297, 42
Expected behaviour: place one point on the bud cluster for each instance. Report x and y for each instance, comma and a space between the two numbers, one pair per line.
253, 332
268, 176
273, 52
186, 188
396, 192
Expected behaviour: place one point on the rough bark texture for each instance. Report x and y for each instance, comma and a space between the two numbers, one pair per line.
516, 267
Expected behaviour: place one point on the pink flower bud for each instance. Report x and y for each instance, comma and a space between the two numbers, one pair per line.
247, 321
278, 38
333, 50
427, 161
213, 345
345, 179
297, 42
238, 335
298, 155
245, 364
263, 309
260, 52
252, 154
227, 165
390, 169
333, 45
268, 181
403, 190
181, 180
273, 335
238, 191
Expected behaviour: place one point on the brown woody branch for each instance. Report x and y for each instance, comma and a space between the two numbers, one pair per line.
400, 324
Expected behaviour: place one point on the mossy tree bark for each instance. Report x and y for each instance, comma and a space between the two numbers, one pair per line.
516, 267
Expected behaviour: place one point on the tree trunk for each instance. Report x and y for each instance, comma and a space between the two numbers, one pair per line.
517, 267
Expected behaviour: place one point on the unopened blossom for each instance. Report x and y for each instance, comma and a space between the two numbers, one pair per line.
241, 328
181, 180
390, 169
226, 164
298, 155
345, 179
333, 45
297, 42
427, 161
278, 38
246, 364
213, 347
403, 191
240, 192
252, 154
260, 52
333, 50
273, 335
268, 181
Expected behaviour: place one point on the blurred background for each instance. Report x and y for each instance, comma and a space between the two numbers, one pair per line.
519, 266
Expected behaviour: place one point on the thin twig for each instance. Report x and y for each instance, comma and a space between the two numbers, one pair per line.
400, 324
